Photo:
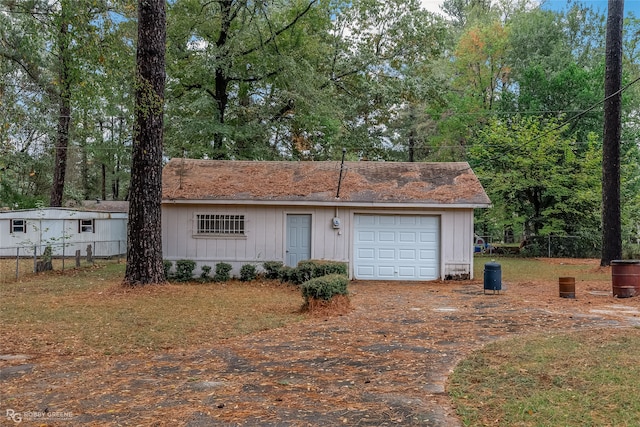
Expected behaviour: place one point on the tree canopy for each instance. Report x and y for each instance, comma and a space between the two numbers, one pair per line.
513, 89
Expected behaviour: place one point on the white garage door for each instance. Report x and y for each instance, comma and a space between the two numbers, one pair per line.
396, 247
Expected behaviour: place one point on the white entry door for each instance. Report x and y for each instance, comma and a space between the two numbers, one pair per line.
396, 247
298, 238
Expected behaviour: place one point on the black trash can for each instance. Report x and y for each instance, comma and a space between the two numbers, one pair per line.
492, 277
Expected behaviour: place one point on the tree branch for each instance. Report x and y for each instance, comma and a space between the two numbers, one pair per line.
31, 69
281, 30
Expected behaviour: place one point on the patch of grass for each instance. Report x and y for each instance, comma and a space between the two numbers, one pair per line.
549, 269
87, 310
25, 267
573, 379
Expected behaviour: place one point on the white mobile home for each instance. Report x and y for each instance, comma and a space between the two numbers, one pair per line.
65, 230
387, 220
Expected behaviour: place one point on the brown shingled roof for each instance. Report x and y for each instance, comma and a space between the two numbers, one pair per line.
368, 182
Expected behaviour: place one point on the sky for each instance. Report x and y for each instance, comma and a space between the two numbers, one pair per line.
601, 5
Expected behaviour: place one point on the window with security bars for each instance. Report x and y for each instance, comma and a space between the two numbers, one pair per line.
18, 226
225, 225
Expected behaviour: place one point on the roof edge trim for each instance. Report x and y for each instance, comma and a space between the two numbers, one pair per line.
336, 203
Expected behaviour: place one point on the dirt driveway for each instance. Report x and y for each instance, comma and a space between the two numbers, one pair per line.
384, 363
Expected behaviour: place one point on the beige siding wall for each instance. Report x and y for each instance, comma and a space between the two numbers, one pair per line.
265, 240
456, 228
265, 235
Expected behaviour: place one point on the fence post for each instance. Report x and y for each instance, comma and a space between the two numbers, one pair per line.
63, 245
549, 246
35, 259
17, 263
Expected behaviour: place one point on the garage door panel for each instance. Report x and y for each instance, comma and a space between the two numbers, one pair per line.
428, 237
427, 254
401, 247
407, 254
366, 236
386, 236
385, 219
387, 253
408, 220
366, 253
428, 271
386, 272
367, 219
365, 271
407, 273
407, 237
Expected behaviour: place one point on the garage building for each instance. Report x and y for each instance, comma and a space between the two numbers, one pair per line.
387, 220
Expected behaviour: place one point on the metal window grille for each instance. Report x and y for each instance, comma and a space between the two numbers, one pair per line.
221, 224
18, 226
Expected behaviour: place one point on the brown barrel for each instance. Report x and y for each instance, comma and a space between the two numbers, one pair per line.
625, 277
567, 287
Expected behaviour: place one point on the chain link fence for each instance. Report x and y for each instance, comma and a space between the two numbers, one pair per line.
17, 261
546, 246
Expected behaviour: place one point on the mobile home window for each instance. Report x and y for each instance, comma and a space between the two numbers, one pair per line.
18, 226
225, 225
86, 226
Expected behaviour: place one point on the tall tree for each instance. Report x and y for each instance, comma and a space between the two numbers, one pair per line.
557, 61
220, 51
58, 51
100, 151
47, 61
144, 251
25, 179
481, 63
64, 99
380, 69
540, 183
611, 216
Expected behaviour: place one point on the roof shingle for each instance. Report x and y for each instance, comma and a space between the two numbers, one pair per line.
362, 182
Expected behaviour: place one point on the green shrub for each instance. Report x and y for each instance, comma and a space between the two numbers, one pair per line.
222, 272
630, 250
317, 268
248, 273
324, 268
272, 269
205, 273
166, 264
286, 273
304, 271
184, 270
325, 287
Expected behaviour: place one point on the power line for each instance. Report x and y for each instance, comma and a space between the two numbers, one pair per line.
569, 120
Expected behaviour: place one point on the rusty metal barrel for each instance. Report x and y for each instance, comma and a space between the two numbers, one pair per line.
625, 277
567, 287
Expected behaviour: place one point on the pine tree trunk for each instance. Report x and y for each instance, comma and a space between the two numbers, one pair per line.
144, 252
60, 166
611, 222
64, 117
